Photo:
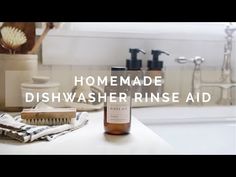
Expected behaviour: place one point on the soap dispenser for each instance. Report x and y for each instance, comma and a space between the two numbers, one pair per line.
134, 69
155, 68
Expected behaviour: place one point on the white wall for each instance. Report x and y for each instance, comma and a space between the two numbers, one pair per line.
86, 51
100, 51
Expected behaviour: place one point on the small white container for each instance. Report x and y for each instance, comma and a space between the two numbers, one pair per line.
39, 85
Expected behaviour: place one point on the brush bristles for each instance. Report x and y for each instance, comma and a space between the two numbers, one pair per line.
48, 117
13, 37
50, 122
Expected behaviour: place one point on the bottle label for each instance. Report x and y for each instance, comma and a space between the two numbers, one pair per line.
118, 112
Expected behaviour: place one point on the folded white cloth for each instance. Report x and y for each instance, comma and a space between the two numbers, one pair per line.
14, 128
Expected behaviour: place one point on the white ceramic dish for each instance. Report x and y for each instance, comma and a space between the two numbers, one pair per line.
40, 85
87, 106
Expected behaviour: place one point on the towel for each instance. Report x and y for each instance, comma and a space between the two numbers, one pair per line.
15, 128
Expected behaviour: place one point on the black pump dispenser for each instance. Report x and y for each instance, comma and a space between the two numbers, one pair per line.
134, 63
155, 64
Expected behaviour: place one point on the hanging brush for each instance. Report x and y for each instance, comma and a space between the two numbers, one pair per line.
55, 116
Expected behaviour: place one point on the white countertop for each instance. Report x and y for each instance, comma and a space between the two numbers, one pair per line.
193, 130
92, 140
190, 114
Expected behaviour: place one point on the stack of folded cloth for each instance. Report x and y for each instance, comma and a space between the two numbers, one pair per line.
15, 128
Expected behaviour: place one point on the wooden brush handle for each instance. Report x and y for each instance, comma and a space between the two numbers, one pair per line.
41, 38
57, 113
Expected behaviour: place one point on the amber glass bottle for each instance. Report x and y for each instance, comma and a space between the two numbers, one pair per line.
117, 114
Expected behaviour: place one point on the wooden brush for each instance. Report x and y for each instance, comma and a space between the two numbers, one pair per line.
29, 29
56, 116
37, 44
12, 38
